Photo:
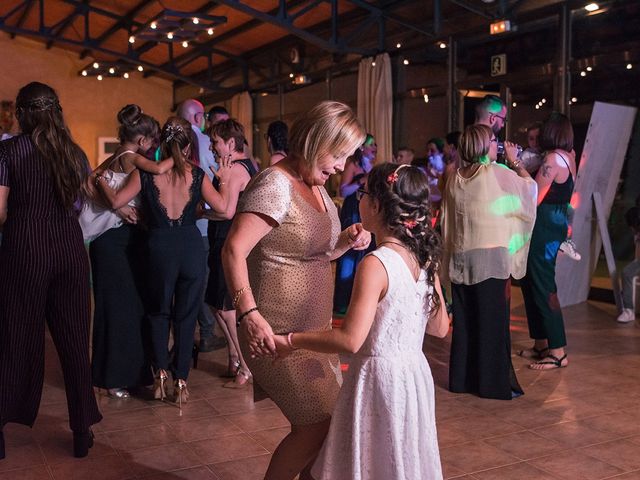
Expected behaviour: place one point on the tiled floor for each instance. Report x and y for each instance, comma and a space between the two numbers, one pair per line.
582, 422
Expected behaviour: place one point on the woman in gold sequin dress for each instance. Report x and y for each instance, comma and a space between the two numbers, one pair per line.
277, 263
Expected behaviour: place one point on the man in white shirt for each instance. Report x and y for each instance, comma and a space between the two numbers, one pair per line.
193, 112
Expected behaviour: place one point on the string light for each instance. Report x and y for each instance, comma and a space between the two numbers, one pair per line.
544, 100
291, 75
185, 44
126, 75
589, 69
537, 107
426, 98
373, 64
398, 45
629, 66
132, 39
99, 77
514, 104
96, 65
442, 45
140, 69
196, 20
405, 61
574, 99
84, 73
210, 31
154, 25
583, 73
170, 35
112, 70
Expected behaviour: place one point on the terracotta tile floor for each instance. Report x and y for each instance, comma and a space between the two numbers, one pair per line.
582, 422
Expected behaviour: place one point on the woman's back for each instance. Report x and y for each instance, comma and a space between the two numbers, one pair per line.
171, 200
32, 194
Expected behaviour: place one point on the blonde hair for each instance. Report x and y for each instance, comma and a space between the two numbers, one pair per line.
328, 128
474, 143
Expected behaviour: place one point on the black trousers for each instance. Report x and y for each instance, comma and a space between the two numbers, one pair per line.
44, 277
176, 278
481, 343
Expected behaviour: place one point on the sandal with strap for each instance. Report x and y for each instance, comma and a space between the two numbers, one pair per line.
533, 353
554, 361
242, 380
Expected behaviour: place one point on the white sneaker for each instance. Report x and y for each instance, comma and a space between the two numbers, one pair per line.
569, 249
627, 316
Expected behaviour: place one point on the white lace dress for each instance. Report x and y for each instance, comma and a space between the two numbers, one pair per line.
383, 426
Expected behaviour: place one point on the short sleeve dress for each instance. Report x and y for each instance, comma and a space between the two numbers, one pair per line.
290, 276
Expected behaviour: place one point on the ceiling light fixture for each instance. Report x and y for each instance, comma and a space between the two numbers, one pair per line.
592, 7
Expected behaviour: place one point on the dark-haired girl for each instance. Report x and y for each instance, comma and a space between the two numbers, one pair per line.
383, 425
44, 271
176, 257
120, 348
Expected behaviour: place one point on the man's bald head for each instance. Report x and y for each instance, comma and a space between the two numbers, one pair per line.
192, 111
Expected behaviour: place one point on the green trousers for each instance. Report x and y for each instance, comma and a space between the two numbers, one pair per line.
539, 289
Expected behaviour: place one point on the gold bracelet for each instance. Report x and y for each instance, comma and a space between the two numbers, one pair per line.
238, 293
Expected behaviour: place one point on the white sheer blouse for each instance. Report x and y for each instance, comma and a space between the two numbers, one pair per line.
487, 220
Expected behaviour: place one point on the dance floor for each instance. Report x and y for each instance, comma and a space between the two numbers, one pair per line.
581, 422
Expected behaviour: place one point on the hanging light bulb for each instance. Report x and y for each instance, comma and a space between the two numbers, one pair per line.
291, 75
398, 45
629, 66
544, 100
442, 45
154, 25
99, 77
210, 31
185, 44
170, 35
132, 39
537, 107
405, 61
583, 73
126, 75
112, 70
373, 64
426, 98
196, 20
84, 73
589, 69
514, 104
574, 100
96, 65
140, 69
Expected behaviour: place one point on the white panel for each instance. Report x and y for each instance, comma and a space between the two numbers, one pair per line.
600, 166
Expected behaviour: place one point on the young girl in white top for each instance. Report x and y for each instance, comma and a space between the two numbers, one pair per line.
383, 426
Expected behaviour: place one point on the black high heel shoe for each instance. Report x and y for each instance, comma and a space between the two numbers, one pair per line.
1, 445
82, 442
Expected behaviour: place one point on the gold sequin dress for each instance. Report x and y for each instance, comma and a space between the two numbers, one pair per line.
290, 276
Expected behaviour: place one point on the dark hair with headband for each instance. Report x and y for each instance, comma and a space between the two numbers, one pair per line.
40, 115
402, 193
133, 122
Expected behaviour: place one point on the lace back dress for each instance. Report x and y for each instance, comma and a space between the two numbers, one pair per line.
383, 426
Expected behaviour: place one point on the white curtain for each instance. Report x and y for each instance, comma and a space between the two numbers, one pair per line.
241, 108
375, 102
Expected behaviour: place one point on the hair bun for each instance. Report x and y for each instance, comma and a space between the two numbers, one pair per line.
129, 115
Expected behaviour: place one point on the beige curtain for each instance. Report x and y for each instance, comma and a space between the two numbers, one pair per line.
241, 108
375, 102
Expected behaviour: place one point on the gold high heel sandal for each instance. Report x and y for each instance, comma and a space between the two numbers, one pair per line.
159, 391
180, 392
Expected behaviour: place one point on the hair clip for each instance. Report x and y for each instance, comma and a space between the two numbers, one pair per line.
393, 176
410, 224
171, 131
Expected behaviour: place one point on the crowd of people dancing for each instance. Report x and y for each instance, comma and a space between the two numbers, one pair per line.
185, 230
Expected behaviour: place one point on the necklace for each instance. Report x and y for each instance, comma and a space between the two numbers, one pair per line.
400, 244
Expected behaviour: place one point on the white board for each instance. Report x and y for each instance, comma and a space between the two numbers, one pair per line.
600, 166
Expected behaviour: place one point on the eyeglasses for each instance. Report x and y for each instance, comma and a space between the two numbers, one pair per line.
504, 119
361, 192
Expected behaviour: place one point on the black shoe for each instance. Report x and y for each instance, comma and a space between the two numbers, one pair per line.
82, 442
1, 445
209, 344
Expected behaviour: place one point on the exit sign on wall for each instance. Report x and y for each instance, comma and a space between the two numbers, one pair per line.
498, 65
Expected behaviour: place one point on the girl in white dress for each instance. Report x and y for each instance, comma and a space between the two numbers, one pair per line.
383, 426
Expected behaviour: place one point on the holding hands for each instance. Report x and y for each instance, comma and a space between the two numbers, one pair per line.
359, 238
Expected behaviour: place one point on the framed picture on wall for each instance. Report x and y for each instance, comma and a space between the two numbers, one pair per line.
107, 147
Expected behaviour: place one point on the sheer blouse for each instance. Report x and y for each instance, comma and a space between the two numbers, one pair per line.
487, 220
